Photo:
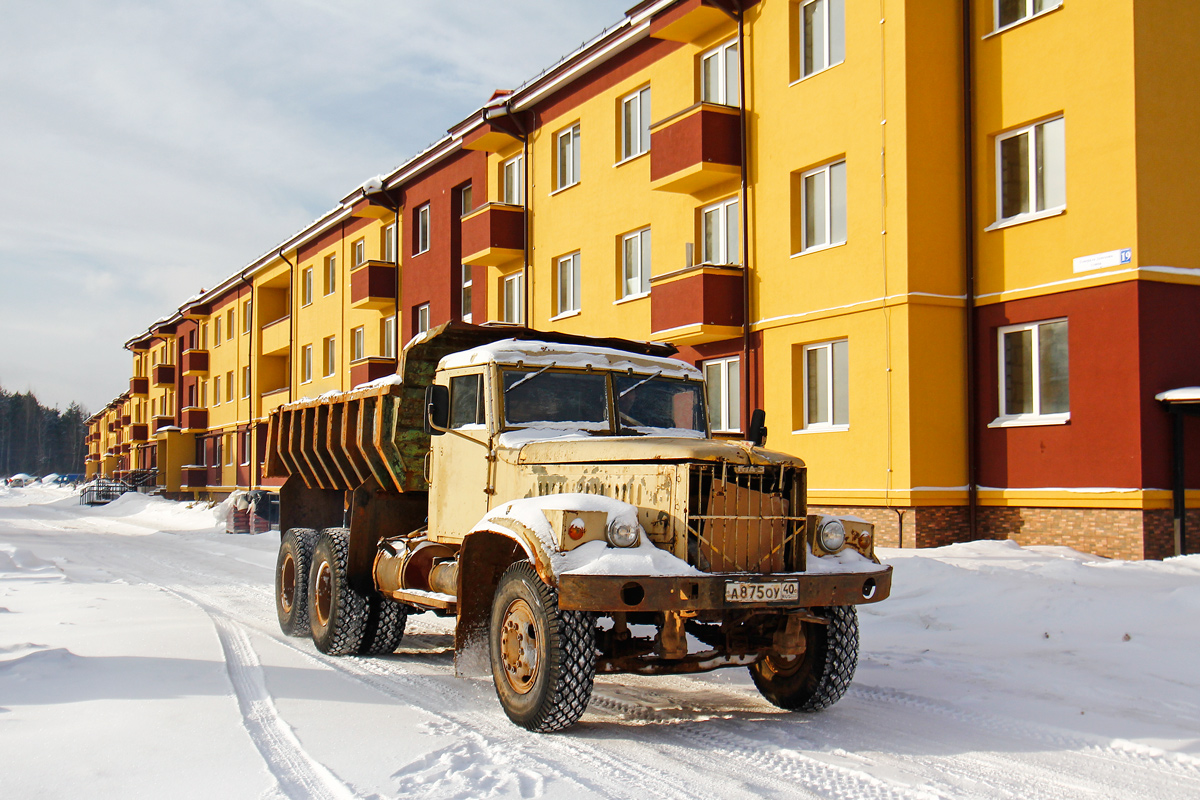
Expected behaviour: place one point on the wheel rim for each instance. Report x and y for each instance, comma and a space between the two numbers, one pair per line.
520, 642
287, 584
324, 604
776, 665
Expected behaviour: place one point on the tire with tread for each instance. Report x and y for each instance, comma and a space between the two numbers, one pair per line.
291, 580
820, 677
386, 620
543, 658
337, 612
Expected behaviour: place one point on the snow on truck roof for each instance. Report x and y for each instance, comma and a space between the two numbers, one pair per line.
538, 353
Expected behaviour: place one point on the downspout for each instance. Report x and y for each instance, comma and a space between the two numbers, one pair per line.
291, 319
969, 252
250, 426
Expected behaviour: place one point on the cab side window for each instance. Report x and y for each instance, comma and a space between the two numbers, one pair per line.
466, 401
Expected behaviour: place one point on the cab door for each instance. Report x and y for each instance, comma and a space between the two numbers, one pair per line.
460, 487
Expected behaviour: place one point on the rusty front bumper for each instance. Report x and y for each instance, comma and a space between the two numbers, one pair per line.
671, 593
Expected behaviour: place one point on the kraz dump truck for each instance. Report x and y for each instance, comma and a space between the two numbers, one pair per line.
563, 499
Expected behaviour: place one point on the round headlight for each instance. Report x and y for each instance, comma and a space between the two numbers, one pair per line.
831, 536
622, 534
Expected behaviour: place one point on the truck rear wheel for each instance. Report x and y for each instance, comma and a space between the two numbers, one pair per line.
820, 677
338, 613
543, 658
386, 620
291, 580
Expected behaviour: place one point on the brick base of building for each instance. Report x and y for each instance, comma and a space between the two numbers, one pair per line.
1132, 534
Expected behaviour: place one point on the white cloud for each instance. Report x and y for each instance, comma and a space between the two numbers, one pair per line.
149, 148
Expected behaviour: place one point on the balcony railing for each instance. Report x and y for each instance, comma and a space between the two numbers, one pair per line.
139, 387
698, 304
277, 337
163, 375
161, 422
138, 432
373, 285
493, 234
696, 149
193, 476
194, 362
195, 418
371, 368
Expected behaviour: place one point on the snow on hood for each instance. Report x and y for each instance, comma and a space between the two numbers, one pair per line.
534, 353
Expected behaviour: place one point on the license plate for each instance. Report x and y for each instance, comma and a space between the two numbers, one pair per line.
775, 591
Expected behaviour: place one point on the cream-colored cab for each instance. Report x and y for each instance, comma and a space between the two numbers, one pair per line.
460, 483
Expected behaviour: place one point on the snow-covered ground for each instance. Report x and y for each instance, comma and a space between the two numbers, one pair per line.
140, 657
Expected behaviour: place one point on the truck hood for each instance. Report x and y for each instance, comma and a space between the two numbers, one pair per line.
626, 449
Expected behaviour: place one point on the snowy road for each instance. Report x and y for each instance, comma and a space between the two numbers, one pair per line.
140, 657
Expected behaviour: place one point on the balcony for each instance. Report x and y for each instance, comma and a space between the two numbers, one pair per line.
139, 387
493, 234
491, 137
125, 420
196, 310
696, 149
194, 362
162, 375
373, 285
277, 337
370, 368
193, 476
195, 418
161, 422
696, 305
688, 21
138, 432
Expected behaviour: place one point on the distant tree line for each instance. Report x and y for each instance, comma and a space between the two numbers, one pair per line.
40, 440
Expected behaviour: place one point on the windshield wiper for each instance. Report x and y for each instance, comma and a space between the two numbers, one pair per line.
639, 383
530, 376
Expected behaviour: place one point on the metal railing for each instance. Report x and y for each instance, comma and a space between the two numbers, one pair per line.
103, 491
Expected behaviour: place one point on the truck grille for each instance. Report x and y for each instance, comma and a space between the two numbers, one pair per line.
746, 518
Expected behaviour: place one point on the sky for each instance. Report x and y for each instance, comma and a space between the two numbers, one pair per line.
151, 148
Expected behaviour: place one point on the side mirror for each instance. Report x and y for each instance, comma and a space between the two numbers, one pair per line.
437, 409
758, 427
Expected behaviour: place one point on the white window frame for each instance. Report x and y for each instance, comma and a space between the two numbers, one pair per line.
246, 306
833, 231
246, 381
359, 251
388, 333
358, 343
725, 89
1007, 419
635, 116
306, 294
329, 356
466, 199
230, 326
837, 375
635, 264
566, 157
1038, 207
830, 25
466, 296
244, 439
512, 298
1031, 11
305, 364
727, 418
389, 243
216, 401
422, 237
512, 180
421, 315
725, 214
330, 272
230, 449
229, 388
567, 277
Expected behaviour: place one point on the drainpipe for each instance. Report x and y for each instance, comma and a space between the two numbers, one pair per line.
291, 318
969, 258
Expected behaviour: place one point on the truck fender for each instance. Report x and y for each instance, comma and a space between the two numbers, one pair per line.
483, 558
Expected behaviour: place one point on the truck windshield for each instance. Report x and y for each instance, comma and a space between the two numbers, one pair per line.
650, 404
556, 399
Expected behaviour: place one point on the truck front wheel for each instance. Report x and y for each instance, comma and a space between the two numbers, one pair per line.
543, 658
820, 676
291, 580
337, 613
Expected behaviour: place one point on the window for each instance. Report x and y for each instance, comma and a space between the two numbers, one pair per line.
229, 449
1010, 12
203, 338
466, 200
359, 251
229, 386
358, 344
568, 284
203, 393
465, 305
245, 448
246, 316
330, 273
635, 124
217, 440
305, 364
822, 35
306, 287
329, 356
514, 298
723, 379
826, 391
567, 153
719, 75
245, 382
721, 232
216, 382
421, 230
512, 181
421, 318
389, 243
1034, 386
387, 336
229, 326
635, 263
823, 201
1031, 170
466, 401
